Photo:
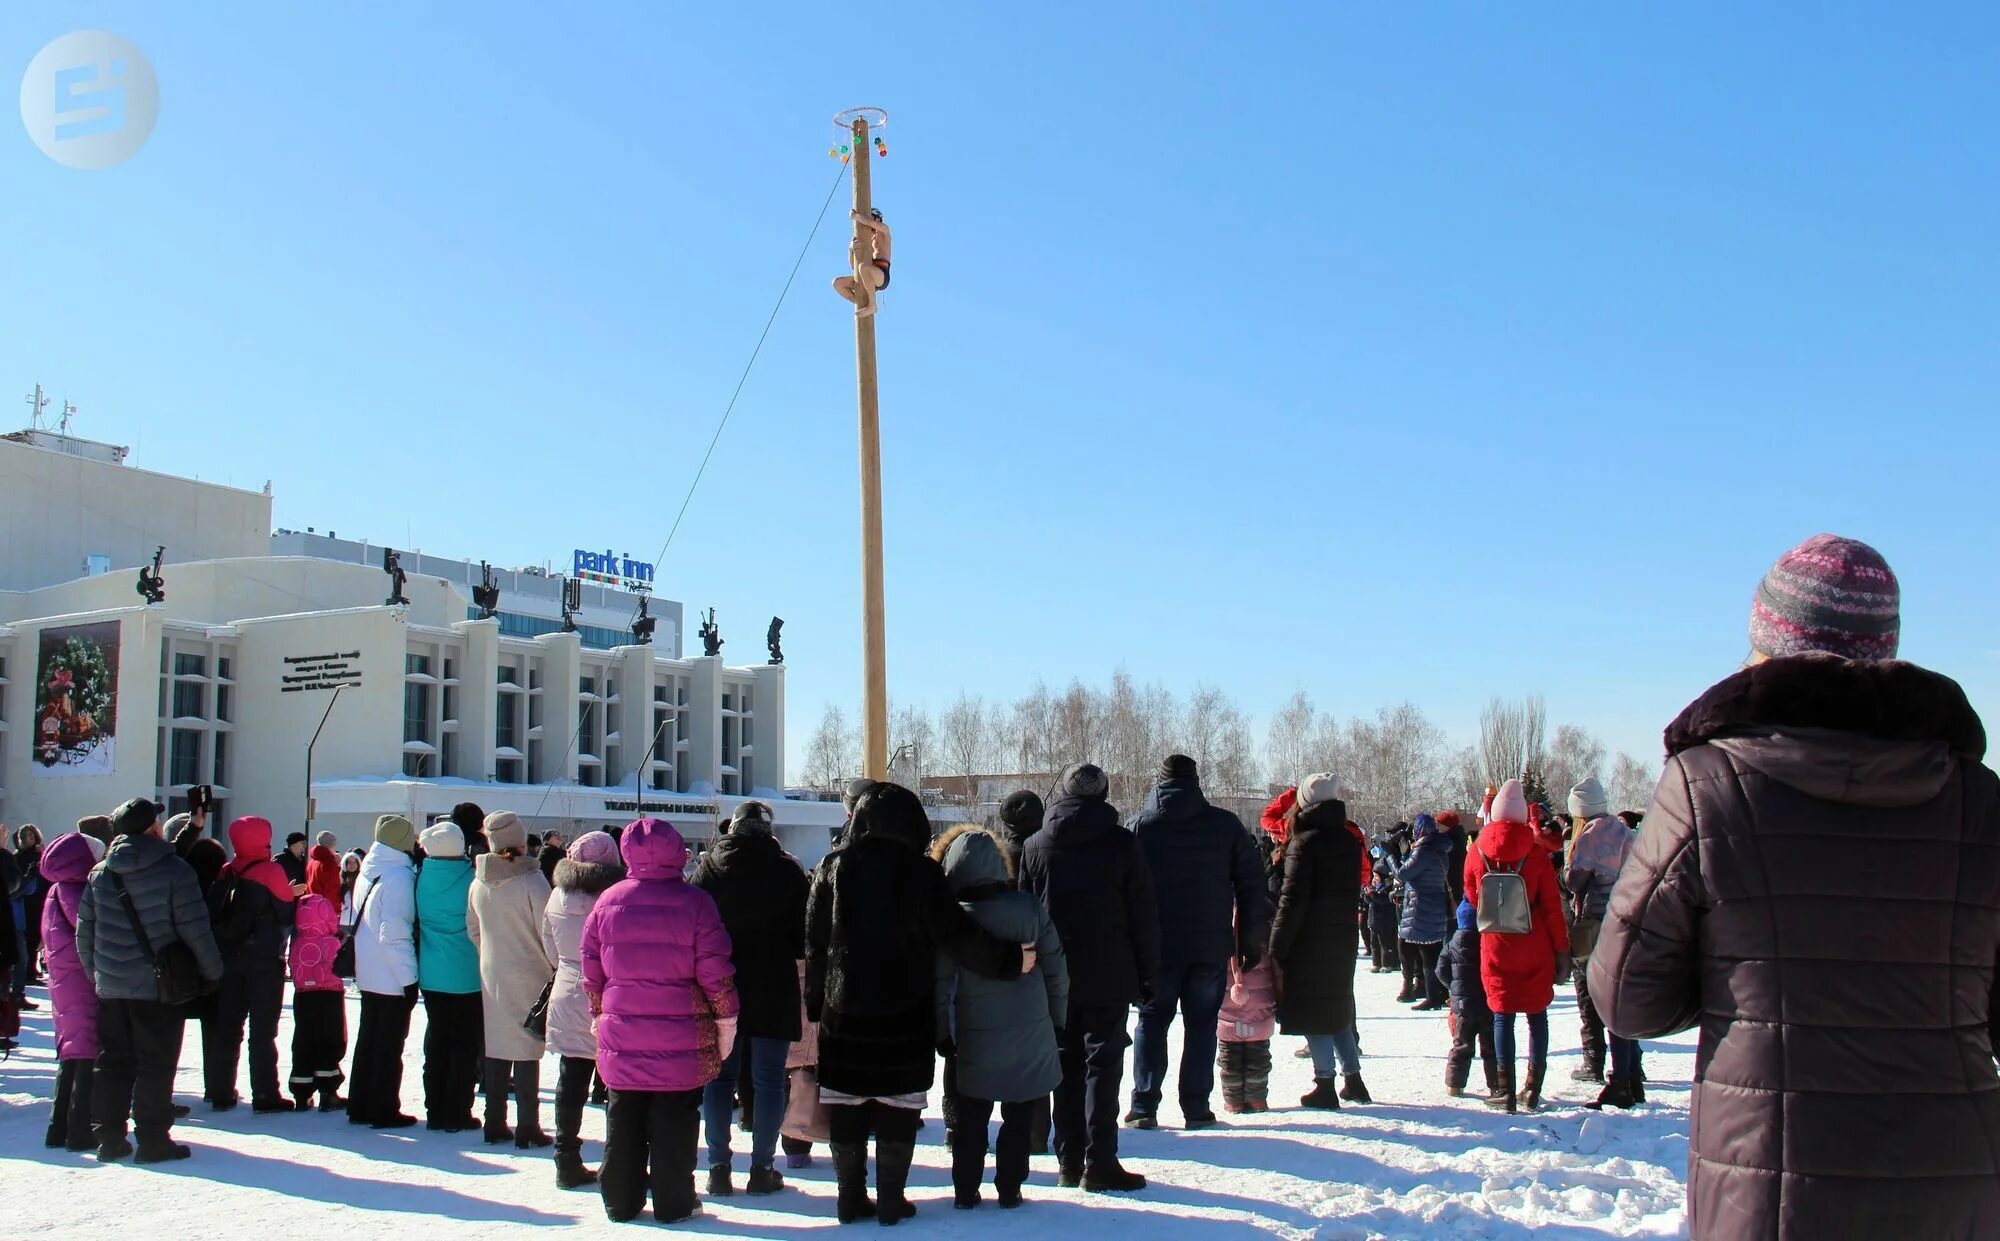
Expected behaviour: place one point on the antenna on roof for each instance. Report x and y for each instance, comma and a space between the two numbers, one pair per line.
37, 402
69, 411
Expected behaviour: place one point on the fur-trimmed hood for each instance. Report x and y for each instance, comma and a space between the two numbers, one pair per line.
588, 877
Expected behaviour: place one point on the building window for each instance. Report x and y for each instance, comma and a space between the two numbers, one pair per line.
419, 665
222, 702
222, 668
184, 762
190, 700
416, 712
586, 728
507, 722
188, 664
221, 775
416, 766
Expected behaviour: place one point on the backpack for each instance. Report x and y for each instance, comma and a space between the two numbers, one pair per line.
1503, 901
231, 929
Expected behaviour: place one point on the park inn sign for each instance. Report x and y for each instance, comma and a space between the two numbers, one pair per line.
611, 569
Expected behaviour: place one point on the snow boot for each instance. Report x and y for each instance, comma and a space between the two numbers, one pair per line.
1502, 1100
1353, 1089
570, 1170
720, 1184
1136, 1119
1112, 1180
1616, 1093
892, 1174
850, 1168
1324, 1097
1531, 1098
763, 1181
1591, 1070
497, 1078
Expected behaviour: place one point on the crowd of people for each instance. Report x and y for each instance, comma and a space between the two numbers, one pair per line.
1845, 1078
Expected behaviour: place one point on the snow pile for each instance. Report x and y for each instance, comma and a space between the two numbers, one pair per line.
1414, 1165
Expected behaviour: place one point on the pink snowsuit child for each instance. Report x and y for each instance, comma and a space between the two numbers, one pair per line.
319, 1005
1243, 1030
65, 864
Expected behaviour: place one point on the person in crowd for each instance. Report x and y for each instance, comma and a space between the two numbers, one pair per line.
140, 899
471, 823
1520, 968
1815, 886
293, 860
64, 866
1243, 1031
1208, 880
98, 827
15, 964
350, 881
319, 1003
1452, 828
34, 891
505, 923
251, 908
1383, 914
1000, 1033
1397, 843
1595, 857
879, 912
655, 963
385, 971
1093, 876
1020, 818
760, 891
589, 868
1427, 908
1471, 1017
802, 1105
448, 979
323, 874
549, 854
207, 858
1313, 940
325, 840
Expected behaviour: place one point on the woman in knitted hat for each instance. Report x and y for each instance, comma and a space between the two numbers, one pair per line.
1313, 940
589, 866
1815, 887
504, 922
448, 975
385, 971
1519, 966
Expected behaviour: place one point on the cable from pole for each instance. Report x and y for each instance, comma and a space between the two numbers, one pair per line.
727, 410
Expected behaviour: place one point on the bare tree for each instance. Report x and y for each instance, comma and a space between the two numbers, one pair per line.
1575, 755
1292, 742
833, 753
1631, 784
964, 744
1397, 763
911, 741
1511, 738
1215, 734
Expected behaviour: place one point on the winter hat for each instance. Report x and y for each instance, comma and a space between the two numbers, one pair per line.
136, 817
1510, 804
504, 831
1448, 821
850, 797
751, 817
469, 817
327, 840
95, 846
1022, 812
1085, 780
295, 838
1588, 800
1425, 825
1179, 767
892, 812
1828, 594
443, 839
1318, 789
1468, 917
594, 849
395, 831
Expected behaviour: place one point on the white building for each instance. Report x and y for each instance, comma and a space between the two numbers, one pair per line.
270, 658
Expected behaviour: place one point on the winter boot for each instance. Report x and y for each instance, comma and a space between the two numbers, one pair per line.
1325, 1096
1531, 1098
496, 1078
528, 1133
1353, 1089
1112, 1180
1616, 1093
763, 1181
1591, 1070
892, 1174
570, 1170
720, 1184
850, 1168
1502, 1099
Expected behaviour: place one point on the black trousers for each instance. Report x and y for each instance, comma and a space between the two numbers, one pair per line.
1382, 946
376, 1091
454, 1046
573, 1076
255, 998
69, 1119
968, 1145
1086, 1105
319, 1042
1423, 959
850, 1124
138, 1049
1246, 1074
1412, 963
649, 1143
1465, 1035
1591, 1026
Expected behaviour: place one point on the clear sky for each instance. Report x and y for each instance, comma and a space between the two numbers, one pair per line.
1377, 352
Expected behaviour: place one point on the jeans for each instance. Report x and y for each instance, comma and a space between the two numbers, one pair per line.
1086, 1107
1195, 989
1538, 1039
138, 1049
649, 1141
1624, 1059
1327, 1048
767, 1070
1589, 1025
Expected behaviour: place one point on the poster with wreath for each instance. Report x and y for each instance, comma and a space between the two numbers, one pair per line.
76, 701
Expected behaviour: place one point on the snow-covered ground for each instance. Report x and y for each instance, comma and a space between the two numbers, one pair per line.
1414, 1165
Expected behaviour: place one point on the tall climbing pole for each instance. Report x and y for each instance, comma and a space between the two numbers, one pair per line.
874, 656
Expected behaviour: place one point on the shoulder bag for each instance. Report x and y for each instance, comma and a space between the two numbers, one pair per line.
176, 977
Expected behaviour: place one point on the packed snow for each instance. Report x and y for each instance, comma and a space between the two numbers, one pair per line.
1413, 1165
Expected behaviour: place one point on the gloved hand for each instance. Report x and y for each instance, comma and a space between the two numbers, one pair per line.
725, 1036
1564, 968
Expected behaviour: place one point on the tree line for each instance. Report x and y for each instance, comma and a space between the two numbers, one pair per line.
1397, 760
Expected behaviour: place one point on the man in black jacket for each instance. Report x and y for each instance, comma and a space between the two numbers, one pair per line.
1020, 819
1214, 904
1091, 874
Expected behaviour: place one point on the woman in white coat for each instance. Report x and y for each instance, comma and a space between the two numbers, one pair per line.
591, 865
385, 970
504, 921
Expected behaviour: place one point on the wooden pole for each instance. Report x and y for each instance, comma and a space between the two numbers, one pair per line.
874, 667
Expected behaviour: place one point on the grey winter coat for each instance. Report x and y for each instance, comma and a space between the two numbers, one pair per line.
170, 904
1004, 1032
1817, 889
504, 920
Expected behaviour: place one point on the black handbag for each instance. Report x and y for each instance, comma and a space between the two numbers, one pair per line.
343, 956
537, 1022
176, 977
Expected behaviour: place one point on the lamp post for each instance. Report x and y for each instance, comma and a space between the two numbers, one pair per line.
331, 704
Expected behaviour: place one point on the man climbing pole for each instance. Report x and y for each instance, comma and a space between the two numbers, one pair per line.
868, 255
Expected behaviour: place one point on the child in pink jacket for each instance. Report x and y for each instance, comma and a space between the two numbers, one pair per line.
1244, 1029
319, 1006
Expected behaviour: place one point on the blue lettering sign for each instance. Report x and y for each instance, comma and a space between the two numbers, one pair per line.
612, 567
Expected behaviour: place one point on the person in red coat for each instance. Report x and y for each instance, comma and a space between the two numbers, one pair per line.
1519, 970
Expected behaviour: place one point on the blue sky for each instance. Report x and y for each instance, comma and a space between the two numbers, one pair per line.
1380, 353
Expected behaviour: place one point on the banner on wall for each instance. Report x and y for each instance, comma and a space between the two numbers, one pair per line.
76, 701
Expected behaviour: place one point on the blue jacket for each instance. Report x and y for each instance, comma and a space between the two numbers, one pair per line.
1427, 900
1458, 970
1207, 875
447, 961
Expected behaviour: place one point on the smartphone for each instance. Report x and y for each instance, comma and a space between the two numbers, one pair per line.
200, 798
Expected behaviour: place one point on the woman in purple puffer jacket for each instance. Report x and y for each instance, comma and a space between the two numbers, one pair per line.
65, 864
656, 966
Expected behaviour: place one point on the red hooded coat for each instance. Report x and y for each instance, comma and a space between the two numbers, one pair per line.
323, 874
1519, 970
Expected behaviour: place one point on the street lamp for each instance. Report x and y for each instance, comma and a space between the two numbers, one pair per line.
331, 704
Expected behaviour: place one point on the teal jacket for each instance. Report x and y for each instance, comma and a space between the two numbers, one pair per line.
447, 961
